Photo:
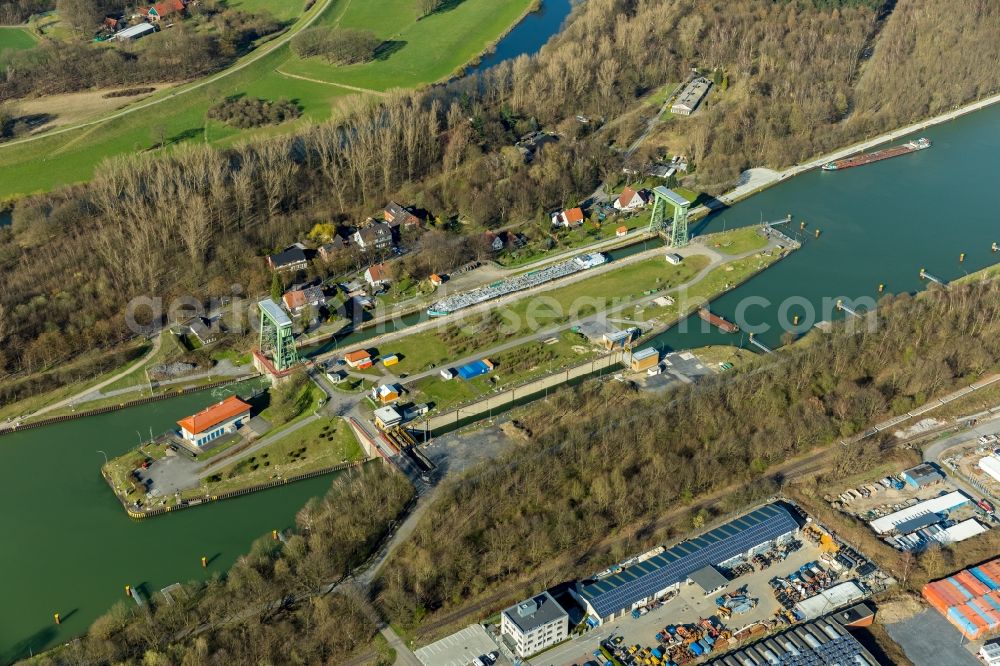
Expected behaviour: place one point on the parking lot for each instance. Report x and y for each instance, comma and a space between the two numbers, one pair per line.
461, 649
690, 605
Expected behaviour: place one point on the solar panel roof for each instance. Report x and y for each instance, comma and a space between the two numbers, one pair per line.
674, 565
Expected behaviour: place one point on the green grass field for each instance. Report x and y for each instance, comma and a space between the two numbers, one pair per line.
283, 10
16, 38
428, 50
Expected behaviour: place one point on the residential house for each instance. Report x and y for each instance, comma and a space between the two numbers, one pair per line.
629, 200
298, 300
213, 422
376, 275
621, 231
532, 142
328, 251
377, 235
436, 280
396, 215
386, 393
292, 258
359, 358
206, 331
572, 217
165, 9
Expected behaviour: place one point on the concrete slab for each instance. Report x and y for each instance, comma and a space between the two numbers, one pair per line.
460, 648
928, 639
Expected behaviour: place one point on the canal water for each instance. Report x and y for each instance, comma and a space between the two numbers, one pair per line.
879, 224
68, 546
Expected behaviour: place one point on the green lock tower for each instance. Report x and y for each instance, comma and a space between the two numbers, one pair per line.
663, 197
276, 335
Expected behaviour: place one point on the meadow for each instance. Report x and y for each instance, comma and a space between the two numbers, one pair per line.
418, 52
15, 38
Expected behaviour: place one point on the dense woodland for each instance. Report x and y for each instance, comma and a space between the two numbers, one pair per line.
265, 611
797, 77
603, 459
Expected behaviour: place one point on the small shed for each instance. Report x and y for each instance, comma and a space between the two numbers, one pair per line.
674, 258
922, 475
621, 231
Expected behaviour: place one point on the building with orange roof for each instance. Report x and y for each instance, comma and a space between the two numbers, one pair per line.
621, 231
571, 217
215, 421
359, 358
436, 280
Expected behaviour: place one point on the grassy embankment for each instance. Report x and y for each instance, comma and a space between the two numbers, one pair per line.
16, 38
418, 52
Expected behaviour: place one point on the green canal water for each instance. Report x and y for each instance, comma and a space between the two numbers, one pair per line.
879, 223
68, 546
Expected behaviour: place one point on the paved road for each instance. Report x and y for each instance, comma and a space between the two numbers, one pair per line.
97, 387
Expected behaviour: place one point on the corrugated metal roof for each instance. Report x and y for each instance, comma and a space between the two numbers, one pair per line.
674, 565
274, 313
936, 505
671, 196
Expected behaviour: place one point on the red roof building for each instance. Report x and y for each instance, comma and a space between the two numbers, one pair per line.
165, 8
212, 422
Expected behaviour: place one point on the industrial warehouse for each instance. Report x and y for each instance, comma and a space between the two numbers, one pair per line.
613, 596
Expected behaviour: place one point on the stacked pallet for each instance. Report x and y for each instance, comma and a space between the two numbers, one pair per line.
969, 599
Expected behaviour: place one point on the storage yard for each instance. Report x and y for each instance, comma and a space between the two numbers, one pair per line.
916, 509
969, 599
786, 570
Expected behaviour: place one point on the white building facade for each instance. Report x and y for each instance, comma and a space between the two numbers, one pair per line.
534, 624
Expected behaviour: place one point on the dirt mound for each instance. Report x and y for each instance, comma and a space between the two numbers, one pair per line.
899, 608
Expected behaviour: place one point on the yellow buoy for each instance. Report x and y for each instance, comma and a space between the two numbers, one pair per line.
802, 225
840, 304
817, 233
274, 534
128, 590
204, 561
795, 320
921, 274
961, 258
58, 619
881, 287
994, 247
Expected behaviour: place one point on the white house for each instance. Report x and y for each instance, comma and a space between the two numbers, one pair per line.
534, 624
376, 275
629, 200
571, 217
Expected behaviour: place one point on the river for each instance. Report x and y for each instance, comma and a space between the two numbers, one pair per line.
528, 36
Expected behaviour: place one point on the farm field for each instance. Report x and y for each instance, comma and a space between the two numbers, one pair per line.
15, 38
419, 52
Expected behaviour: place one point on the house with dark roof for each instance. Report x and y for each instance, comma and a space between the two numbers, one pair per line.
298, 300
292, 258
377, 236
206, 331
396, 215
327, 251
612, 596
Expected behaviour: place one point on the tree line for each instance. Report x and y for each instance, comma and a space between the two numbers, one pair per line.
605, 460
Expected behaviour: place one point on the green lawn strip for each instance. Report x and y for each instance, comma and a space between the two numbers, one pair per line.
737, 241
283, 10
226, 444
429, 349
417, 52
580, 237
16, 38
987, 273
36, 402
322, 444
513, 367
718, 281
714, 355
170, 349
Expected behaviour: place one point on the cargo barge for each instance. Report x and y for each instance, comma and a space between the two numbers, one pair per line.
878, 155
717, 321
